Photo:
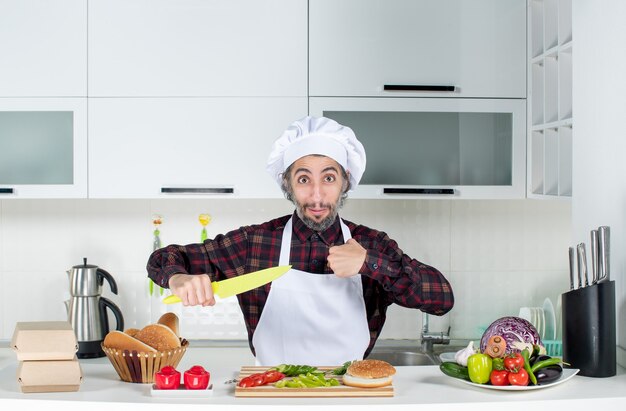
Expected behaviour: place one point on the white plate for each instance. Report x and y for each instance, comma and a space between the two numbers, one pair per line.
567, 374
559, 332
526, 313
541, 321
548, 310
181, 392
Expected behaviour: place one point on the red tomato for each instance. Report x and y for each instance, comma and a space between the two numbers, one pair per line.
258, 379
253, 380
514, 362
246, 382
499, 377
167, 378
273, 376
518, 378
196, 378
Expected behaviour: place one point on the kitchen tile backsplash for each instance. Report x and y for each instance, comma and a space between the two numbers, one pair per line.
498, 255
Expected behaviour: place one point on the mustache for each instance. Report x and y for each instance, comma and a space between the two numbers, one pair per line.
318, 205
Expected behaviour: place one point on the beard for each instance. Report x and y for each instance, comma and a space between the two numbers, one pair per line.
322, 225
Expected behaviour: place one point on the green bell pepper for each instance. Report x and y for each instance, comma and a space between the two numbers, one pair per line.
479, 368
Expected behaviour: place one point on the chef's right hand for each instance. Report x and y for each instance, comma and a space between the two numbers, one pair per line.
192, 289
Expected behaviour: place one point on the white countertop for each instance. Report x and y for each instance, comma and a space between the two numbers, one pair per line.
426, 385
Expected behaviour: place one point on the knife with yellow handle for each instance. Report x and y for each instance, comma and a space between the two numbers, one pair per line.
241, 283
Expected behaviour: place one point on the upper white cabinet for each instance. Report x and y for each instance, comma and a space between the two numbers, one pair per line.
43, 48
43, 148
186, 147
357, 47
197, 48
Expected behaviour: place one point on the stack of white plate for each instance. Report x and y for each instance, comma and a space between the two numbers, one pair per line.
543, 318
547, 321
536, 317
550, 320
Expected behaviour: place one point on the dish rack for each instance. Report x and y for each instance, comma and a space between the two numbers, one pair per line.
554, 348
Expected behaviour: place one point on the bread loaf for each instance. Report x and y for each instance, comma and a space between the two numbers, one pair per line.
170, 320
158, 336
131, 331
122, 341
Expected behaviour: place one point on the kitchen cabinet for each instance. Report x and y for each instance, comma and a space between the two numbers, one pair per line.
186, 48
43, 44
359, 46
436, 147
43, 148
550, 99
182, 147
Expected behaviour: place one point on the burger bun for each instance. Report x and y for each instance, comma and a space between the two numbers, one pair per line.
369, 374
121, 341
170, 320
158, 336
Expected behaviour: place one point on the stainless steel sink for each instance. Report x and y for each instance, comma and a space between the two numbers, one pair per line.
399, 358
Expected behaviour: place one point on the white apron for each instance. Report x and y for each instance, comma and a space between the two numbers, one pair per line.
313, 319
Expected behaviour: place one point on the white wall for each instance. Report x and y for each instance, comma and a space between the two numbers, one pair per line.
499, 255
599, 197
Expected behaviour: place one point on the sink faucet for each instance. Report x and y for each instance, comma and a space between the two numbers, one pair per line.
429, 338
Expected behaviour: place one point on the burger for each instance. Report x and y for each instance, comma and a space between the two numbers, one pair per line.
369, 374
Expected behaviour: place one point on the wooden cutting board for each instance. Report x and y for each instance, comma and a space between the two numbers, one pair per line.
337, 391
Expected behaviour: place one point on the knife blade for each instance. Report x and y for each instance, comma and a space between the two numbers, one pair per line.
579, 254
582, 263
572, 264
604, 253
241, 283
594, 256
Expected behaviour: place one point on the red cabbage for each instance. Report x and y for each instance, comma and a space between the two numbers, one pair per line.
512, 329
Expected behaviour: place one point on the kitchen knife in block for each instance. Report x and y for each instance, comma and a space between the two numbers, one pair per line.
582, 263
604, 254
241, 283
594, 256
572, 267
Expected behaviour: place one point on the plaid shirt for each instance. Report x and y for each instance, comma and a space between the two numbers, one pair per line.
388, 275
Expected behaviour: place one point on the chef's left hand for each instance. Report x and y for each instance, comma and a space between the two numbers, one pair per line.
347, 259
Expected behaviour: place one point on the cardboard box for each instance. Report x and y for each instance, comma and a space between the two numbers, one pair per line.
44, 340
49, 376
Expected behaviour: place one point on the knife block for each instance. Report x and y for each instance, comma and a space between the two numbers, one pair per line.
589, 337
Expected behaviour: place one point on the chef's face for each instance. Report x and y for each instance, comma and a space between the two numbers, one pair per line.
317, 185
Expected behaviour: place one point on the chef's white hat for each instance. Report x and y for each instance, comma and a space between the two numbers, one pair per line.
317, 135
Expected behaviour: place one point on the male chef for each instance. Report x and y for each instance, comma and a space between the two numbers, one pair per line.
331, 306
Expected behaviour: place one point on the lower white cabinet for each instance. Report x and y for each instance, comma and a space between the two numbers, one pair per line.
43, 148
435, 147
186, 147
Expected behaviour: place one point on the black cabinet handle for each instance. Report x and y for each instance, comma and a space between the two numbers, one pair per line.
417, 87
6, 190
446, 191
197, 190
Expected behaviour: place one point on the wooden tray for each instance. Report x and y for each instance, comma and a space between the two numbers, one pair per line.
318, 392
